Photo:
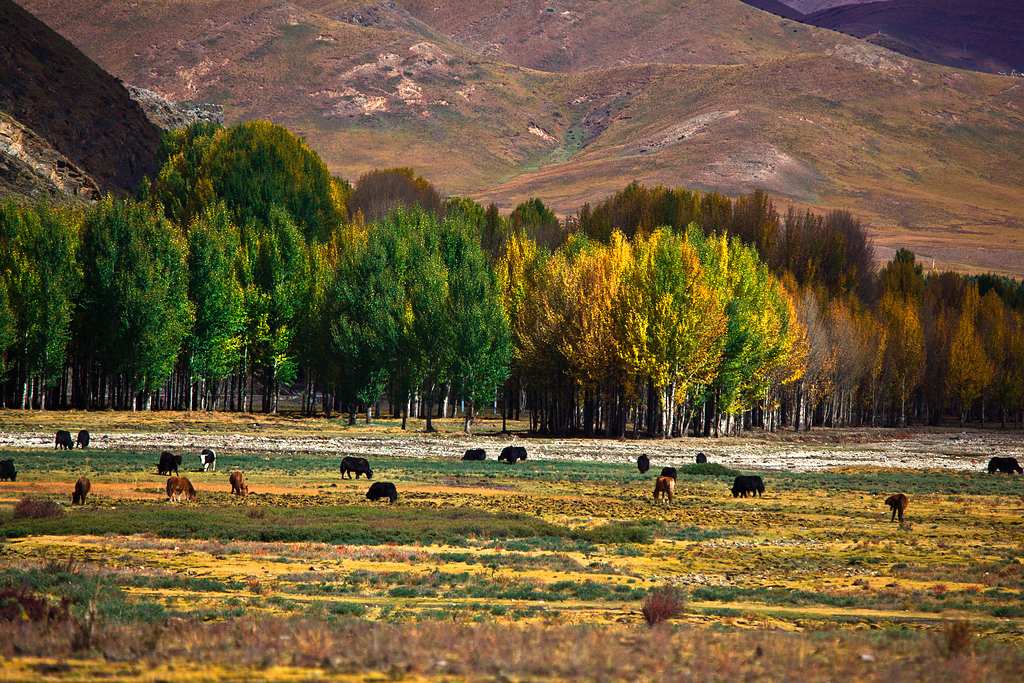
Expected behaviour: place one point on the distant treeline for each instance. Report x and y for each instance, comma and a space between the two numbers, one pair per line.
244, 269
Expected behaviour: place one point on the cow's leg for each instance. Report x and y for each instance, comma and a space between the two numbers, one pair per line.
901, 514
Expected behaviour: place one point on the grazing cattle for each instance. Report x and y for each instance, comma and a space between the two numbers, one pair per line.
743, 485
357, 465
238, 485
63, 440
180, 488
664, 487
82, 488
898, 504
83, 438
1007, 465
669, 472
701, 458
382, 489
7, 471
643, 463
208, 459
512, 454
475, 454
169, 462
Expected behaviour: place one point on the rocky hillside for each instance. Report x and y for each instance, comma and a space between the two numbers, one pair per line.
571, 99
67, 125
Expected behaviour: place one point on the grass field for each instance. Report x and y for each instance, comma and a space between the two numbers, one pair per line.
543, 565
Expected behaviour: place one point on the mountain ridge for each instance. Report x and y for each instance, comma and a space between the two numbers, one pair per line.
573, 107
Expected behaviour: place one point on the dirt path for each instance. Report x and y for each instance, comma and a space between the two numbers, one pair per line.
944, 449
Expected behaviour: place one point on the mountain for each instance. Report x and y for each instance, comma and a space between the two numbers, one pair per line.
66, 126
570, 100
971, 34
983, 35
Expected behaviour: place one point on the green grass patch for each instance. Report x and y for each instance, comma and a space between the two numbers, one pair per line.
351, 524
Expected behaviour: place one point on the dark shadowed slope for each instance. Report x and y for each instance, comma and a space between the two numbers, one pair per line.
976, 34
777, 7
984, 35
49, 87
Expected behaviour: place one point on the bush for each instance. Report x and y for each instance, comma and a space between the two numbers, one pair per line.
20, 604
957, 639
662, 604
619, 532
37, 508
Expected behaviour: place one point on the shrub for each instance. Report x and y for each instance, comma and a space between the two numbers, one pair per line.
20, 604
957, 639
662, 604
619, 532
37, 508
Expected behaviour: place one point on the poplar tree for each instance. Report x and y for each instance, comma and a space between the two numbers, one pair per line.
214, 345
135, 299
41, 278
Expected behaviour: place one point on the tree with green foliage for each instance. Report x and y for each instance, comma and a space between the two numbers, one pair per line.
135, 299
538, 222
214, 345
477, 327
271, 269
252, 167
41, 278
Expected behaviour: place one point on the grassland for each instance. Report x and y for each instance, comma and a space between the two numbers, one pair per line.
543, 565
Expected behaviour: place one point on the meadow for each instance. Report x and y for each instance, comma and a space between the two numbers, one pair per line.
488, 570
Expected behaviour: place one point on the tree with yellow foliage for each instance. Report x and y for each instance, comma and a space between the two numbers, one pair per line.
970, 369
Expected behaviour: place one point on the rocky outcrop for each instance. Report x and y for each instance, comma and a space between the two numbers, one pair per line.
31, 167
169, 115
92, 129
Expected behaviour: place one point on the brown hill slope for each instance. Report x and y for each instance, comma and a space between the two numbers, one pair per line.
712, 93
83, 114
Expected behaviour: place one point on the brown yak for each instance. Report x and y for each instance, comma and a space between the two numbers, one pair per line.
238, 485
898, 504
664, 487
180, 488
82, 488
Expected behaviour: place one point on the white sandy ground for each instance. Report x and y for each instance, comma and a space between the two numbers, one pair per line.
953, 450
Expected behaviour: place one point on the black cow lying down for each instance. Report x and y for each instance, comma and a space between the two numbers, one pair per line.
512, 454
382, 489
475, 454
745, 484
62, 440
643, 463
359, 466
701, 458
1005, 465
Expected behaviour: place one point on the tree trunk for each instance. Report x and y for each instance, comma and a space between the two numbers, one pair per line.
467, 418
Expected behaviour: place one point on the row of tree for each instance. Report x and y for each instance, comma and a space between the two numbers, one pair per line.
244, 270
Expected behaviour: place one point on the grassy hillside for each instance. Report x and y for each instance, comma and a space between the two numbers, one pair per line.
504, 100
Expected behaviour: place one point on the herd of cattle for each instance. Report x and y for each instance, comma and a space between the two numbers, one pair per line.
180, 488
